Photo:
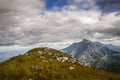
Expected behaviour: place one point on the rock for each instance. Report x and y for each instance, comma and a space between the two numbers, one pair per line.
37, 68
40, 52
81, 63
29, 79
63, 59
45, 61
42, 57
49, 53
59, 58
71, 68
72, 60
27, 54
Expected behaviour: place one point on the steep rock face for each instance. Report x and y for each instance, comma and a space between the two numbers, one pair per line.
95, 54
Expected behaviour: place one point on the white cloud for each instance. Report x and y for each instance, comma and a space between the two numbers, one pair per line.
23, 25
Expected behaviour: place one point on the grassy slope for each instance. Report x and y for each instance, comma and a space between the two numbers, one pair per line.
44, 66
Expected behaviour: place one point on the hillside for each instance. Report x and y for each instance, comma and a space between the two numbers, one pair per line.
49, 64
96, 55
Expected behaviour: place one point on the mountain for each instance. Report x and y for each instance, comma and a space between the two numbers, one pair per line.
113, 47
49, 64
11, 53
1, 56
96, 55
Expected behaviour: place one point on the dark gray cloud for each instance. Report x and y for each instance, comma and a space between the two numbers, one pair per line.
113, 31
108, 5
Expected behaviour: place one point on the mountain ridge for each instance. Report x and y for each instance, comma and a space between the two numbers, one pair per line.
49, 64
95, 54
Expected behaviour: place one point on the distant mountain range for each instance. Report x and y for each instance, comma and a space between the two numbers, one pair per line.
113, 47
96, 55
11, 53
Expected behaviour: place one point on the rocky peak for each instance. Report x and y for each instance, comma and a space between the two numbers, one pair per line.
86, 41
95, 54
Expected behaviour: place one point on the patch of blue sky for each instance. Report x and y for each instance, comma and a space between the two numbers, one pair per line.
59, 4
113, 10
50, 4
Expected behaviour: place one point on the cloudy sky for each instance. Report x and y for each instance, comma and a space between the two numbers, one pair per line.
57, 23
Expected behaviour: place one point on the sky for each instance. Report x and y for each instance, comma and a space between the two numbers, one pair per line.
57, 23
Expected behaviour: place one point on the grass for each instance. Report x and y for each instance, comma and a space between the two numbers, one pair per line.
35, 65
